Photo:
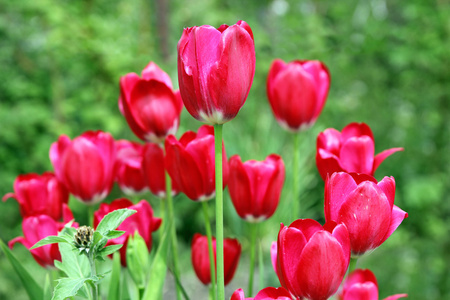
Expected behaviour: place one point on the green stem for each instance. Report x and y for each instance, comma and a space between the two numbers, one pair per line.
219, 212
173, 232
90, 212
261, 267
295, 178
210, 250
352, 265
253, 229
93, 273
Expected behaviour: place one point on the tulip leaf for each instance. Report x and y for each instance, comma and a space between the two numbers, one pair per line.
114, 284
112, 220
52, 239
33, 289
137, 260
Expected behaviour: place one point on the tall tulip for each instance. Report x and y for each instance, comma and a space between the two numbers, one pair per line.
129, 170
215, 70
39, 195
190, 163
297, 92
351, 150
312, 260
362, 284
255, 186
150, 105
200, 258
85, 165
142, 221
268, 293
365, 207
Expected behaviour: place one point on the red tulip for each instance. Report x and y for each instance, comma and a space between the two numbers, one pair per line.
215, 70
255, 186
200, 257
191, 163
39, 195
129, 170
142, 221
365, 207
85, 165
297, 92
362, 285
35, 228
312, 260
267, 293
150, 105
351, 150
154, 170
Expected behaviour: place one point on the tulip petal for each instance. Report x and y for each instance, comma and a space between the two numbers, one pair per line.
397, 296
273, 293
238, 295
321, 77
337, 188
356, 130
276, 67
387, 185
330, 140
153, 71
380, 157
273, 256
356, 155
359, 291
239, 187
397, 217
327, 163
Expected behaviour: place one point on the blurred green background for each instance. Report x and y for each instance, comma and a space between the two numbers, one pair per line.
390, 66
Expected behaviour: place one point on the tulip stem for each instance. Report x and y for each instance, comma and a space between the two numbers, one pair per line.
253, 233
219, 211
173, 232
295, 178
352, 265
261, 267
210, 250
90, 212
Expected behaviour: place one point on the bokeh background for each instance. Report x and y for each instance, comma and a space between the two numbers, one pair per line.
60, 64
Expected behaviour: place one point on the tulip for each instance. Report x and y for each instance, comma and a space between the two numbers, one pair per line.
129, 171
297, 92
150, 105
39, 195
190, 163
255, 186
365, 207
215, 70
154, 170
267, 293
312, 260
142, 221
85, 165
35, 228
200, 257
362, 285
351, 150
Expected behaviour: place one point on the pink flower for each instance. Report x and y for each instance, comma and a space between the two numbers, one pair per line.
362, 285
85, 165
200, 257
129, 171
267, 293
39, 195
35, 228
297, 92
142, 221
312, 260
351, 150
191, 163
365, 207
150, 105
154, 171
215, 70
255, 186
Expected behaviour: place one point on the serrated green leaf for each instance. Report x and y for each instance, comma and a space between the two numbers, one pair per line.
33, 290
50, 240
69, 287
112, 220
74, 265
114, 284
109, 250
97, 237
114, 234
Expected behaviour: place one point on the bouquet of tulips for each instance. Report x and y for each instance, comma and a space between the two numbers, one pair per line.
215, 73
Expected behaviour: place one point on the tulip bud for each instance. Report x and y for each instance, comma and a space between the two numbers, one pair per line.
137, 259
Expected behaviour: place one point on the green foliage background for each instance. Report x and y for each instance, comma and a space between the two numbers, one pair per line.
389, 61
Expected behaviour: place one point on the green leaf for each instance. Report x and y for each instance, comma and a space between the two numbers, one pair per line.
114, 234
47, 288
50, 240
33, 290
69, 287
114, 284
112, 220
137, 259
109, 250
74, 265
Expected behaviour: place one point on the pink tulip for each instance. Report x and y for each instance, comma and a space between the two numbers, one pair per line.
215, 70
150, 105
39, 195
362, 285
129, 171
154, 171
365, 207
312, 260
85, 165
255, 186
351, 150
297, 92
35, 228
268, 293
200, 257
142, 221
191, 163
